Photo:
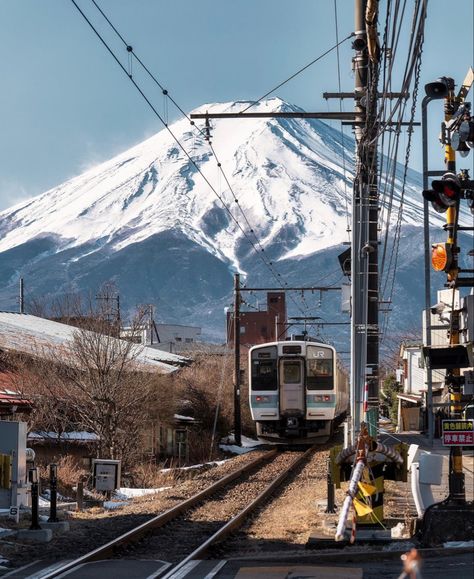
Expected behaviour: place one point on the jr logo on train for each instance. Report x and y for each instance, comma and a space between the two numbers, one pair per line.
298, 391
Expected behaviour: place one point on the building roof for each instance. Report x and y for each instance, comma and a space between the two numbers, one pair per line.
80, 436
32, 335
10, 399
414, 398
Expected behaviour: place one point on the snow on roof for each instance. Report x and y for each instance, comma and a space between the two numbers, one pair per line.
80, 436
32, 335
184, 418
13, 398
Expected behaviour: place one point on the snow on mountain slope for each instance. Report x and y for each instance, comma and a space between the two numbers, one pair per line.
287, 175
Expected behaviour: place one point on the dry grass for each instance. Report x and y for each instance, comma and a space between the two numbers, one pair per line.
70, 471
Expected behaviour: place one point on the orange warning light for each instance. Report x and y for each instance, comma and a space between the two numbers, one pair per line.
439, 257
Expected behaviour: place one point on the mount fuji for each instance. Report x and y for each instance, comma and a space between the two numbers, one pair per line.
150, 221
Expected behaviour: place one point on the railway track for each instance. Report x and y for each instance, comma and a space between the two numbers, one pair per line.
197, 523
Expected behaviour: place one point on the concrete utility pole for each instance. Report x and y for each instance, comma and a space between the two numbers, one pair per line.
237, 417
364, 262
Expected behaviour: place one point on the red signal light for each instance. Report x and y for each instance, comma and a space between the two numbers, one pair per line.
444, 193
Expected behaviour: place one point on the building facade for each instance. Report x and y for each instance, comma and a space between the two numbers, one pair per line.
258, 327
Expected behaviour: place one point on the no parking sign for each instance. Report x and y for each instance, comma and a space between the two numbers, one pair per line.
458, 432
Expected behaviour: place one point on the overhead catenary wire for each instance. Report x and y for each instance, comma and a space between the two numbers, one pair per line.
268, 93
419, 19
336, 23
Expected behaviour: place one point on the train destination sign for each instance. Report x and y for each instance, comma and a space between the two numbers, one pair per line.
458, 432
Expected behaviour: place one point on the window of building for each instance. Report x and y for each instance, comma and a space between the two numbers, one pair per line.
242, 329
178, 339
188, 340
273, 300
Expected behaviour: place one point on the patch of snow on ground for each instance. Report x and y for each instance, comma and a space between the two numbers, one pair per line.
248, 444
194, 466
112, 505
128, 493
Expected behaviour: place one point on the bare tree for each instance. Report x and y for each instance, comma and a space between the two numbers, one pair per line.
94, 383
109, 388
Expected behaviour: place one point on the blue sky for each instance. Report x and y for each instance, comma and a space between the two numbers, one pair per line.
65, 105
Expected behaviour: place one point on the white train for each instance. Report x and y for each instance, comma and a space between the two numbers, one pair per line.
297, 391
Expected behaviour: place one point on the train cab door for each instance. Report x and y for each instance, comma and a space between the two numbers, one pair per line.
292, 392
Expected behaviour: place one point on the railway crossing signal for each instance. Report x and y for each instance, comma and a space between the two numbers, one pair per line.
447, 191
444, 193
442, 256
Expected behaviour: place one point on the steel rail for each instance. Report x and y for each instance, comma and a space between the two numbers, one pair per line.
104, 551
236, 521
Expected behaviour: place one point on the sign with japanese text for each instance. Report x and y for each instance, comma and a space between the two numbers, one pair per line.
458, 432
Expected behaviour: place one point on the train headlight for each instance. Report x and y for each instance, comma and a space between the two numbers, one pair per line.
262, 398
322, 398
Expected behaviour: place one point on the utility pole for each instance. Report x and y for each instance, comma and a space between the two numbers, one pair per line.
110, 314
237, 417
364, 262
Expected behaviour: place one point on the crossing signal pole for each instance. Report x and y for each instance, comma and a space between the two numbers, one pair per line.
445, 196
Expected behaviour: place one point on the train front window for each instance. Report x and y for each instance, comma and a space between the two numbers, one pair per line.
291, 372
319, 368
264, 369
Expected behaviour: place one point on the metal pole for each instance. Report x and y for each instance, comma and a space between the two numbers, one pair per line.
33, 477
427, 256
456, 474
237, 419
331, 505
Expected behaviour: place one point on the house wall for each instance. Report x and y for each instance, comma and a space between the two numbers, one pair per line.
414, 373
415, 380
172, 337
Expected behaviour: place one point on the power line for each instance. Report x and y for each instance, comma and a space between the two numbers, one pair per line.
341, 125
297, 72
